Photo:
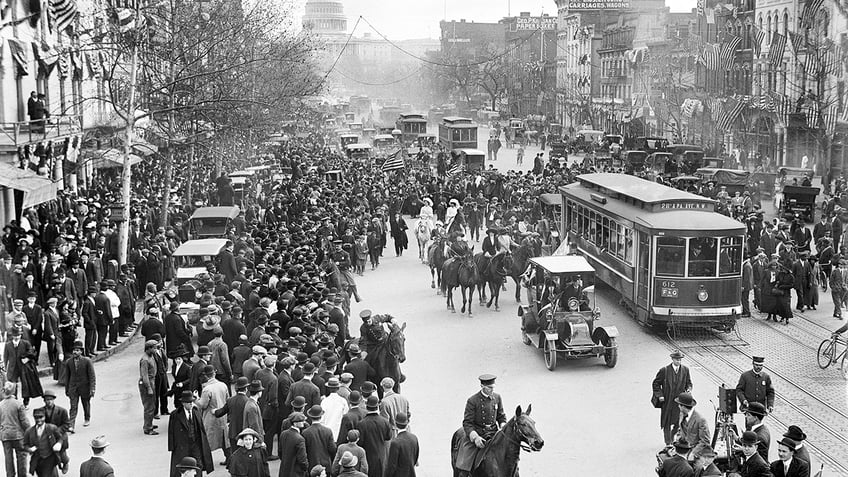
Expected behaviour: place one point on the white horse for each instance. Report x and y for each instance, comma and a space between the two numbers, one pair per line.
422, 235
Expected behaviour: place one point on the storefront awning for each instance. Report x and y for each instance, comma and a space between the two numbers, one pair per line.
37, 189
109, 158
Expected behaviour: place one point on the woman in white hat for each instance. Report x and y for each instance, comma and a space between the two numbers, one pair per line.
426, 212
251, 457
450, 214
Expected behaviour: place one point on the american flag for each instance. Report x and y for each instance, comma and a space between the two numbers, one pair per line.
455, 170
63, 13
710, 56
728, 52
733, 108
393, 162
829, 115
812, 66
759, 36
776, 50
810, 10
781, 108
812, 113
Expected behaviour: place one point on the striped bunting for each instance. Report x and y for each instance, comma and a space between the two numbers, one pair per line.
759, 36
393, 162
776, 50
63, 13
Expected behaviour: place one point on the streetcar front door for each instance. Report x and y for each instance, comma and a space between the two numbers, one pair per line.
643, 281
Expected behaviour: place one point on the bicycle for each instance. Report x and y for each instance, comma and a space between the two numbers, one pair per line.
827, 354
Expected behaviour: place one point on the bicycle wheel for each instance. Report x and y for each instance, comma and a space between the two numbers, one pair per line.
843, 366
825, 354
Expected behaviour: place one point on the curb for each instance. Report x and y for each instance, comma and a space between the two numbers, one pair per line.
103, 355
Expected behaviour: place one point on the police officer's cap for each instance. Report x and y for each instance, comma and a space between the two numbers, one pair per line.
487, 379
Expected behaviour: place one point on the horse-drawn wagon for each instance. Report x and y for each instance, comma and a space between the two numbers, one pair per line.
558, 318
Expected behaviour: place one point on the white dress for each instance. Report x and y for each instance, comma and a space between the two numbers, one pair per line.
426, 213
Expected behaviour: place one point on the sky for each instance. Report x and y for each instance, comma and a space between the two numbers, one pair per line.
407, 19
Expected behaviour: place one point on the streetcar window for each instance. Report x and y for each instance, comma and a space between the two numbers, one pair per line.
605, 235
730, 256
613, 240
702, 257
670, 254
628, 245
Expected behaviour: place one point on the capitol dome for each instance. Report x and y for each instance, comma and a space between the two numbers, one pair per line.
325, 17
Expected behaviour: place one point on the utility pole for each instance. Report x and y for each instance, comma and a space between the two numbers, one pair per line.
126, 174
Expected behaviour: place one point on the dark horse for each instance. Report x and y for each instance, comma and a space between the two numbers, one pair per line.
502, 452
520, 256
460, 272
436, 259
493, 272
386, 356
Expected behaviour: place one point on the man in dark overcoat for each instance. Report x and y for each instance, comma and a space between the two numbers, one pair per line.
80, 383
234, 408
375, 435
403, 450
670, 381
755, 386
187, 436
176, 333
293, 460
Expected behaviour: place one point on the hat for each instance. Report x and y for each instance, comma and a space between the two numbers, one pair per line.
685, 399
795, 433
788, 443
353, 350
758, 360
299, 402
208, 370
682, 444
676, 354
352, 435
203, 351
187, 396
757, 409
387, 383
368, 387
48, 394
348, 460
92, 289
401, 419
354, 398
248, 432
99, 442
365, 314
257, 350
333, 383
255, 386
52, 300
242, 383
188, 463
297, 416
308, 368
315, 412
38, 412
748, 438
150, 344
372, 403
346, 378
487, 379
317, 471
302, 358
78, 345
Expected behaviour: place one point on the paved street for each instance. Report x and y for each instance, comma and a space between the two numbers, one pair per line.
583, 410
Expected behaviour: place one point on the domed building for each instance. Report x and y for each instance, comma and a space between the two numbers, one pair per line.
325, 17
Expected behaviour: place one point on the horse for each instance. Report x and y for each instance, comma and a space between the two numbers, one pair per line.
342, 281
436, 259
462, 272
385, 357
458, 222
493, 272
520, 256
422, 235
375, 248
502, 452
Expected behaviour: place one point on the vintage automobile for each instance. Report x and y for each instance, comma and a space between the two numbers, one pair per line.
634, 160
191, 258
734, 180
359, 151
558, 318
800, 201
212, 222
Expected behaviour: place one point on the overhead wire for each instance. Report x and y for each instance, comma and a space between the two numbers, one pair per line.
389, 83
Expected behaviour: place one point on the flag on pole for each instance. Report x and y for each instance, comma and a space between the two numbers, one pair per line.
732, 108
810, 10
728, 52
393, 162
777, 49
63, 13
454, 170
759, 36
829, 115
710, 56
19, 54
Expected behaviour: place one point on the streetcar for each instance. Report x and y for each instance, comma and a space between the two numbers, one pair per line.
411, 125
457, 133
347, 139
675, 261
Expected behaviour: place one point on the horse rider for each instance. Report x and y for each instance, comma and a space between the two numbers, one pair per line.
456, 246
426, 212
450, 214
490, 247
371, 331
342, 260
438, 232
483, 418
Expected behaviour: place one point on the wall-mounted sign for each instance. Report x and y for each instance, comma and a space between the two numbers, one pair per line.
535, 23
582, 5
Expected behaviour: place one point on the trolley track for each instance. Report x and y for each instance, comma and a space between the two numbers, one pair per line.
834, 462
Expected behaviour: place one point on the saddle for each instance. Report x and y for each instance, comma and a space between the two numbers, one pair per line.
469, 456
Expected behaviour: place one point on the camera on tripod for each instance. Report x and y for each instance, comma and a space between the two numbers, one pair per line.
727, 400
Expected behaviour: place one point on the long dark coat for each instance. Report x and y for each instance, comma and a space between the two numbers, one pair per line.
293, 461
669, 385
785, 283
768, 300
403, 455
375, 434
180, 443
399, 232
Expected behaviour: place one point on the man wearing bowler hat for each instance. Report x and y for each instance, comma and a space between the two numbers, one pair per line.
704, 463
234, 409
44, 442
754, 416
692, 426
97, 466
187, 436
677, 465
252, 411
671, 380
797, 435
482, 418
320, 444
787, 465
188, 467
755, 386
753, 464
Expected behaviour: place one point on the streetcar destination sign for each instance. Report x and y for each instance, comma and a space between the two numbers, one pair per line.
685, 205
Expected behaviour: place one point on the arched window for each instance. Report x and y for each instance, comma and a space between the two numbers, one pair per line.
768, 24
785, 22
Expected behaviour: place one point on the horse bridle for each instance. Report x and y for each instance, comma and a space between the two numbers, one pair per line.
522, 437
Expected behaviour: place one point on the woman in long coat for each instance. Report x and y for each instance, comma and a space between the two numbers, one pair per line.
782, 288
399, 234
213, 396
250, 459
768, 300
